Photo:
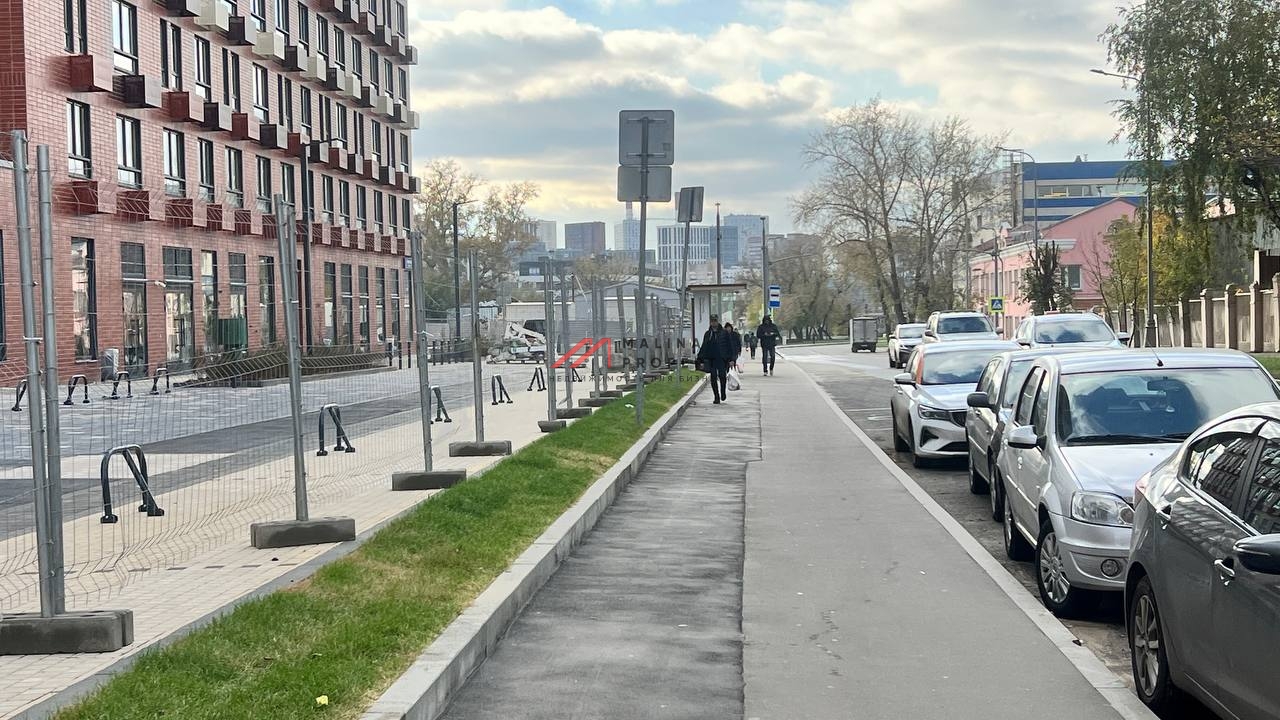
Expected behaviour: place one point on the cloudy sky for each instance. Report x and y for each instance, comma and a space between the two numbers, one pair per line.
531, 89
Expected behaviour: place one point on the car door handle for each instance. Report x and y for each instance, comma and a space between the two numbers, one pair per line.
1226, 569
1165, 513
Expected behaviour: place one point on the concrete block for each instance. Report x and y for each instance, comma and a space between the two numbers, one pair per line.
435, 480
291, 533
594, 402
550, 426
97, 631
572, 413
607, 393
627, 388
480, 449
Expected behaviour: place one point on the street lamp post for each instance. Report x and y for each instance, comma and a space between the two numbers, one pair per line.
1035, 193
457, 273
308, 217
1149, 338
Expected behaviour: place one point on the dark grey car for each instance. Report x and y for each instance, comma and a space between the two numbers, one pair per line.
1203, 590
989, 410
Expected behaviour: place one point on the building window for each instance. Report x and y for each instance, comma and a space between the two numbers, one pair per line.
391, 147
380, 304
358, 122
264, 184
388, 78
129, 151
237, 303
304, 97
175, 164
330, 303
362, 204
404, 85
326, 199
392, 213
357, 58
304, 26
209, 293
133, 295
79, 145
179, 313
344, 203
374, 75
261, 108
231, 79
284, 93
1071, 276
235, 178
3, 343
282, 19
404, 213
400, 20
326, 116
124, 36
233, 9
342, 124
84, 299
267, 297
204, 69
395, 305
404, 153
322, 37
375, 131
339, 49
258, 12
363, 279
377, 210
344, 316
75, 27
287, 187
205, 148
170, 55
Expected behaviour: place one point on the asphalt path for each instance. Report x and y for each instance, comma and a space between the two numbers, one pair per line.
861, 384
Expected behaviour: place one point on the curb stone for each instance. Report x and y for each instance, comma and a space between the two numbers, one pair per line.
424, 691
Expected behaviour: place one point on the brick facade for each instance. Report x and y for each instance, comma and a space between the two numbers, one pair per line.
38, 77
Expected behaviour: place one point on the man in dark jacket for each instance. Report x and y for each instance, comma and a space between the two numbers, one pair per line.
769, 336
713, 358
752, 342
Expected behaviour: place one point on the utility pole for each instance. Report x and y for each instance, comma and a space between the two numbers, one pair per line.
764, 263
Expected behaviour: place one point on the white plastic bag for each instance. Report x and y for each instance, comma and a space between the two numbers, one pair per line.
733, 383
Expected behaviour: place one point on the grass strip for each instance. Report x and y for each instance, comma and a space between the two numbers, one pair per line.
352, 628
1270, 362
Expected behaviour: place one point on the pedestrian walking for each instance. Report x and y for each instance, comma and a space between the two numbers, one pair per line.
752, 342
769, 335
713, 358
736, 337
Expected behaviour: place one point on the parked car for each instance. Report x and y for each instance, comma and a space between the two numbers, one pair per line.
863, 333
948, 326
904, 338
1085, 427
1067, 329
928, 403
990, 407
1203, 586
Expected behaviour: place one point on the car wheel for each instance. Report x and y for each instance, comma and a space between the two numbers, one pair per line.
899, 444
1146, 644
916, 461
1016, 547
997, 492
1051, 576
977, 485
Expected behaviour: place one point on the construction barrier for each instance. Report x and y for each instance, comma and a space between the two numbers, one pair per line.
342, 443
137, 462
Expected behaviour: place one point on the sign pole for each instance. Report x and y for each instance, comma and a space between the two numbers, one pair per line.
640, 280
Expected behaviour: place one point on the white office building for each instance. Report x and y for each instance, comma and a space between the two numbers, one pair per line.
702, 244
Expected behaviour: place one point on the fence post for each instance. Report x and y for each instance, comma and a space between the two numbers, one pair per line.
303, 530
1206, 317
1256, 311
552, 423
1231, 314
567, 339
1184, 322
53, 433
479, 446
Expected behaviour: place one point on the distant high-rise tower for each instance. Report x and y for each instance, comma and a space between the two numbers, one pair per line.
585, 237
626, 234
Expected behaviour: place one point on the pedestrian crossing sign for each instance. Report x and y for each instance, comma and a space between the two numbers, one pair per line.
997, 304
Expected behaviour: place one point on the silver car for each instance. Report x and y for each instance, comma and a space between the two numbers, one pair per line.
949, 326
990, 407
1085, 427
1061, 329
904, 338
1202, 595
928, 402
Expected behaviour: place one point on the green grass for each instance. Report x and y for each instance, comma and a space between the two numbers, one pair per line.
358, 623
1270, 362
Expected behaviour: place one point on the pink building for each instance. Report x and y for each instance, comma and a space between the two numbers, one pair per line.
1081, 239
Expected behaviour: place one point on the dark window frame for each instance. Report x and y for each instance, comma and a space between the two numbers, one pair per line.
124, 36
79, 139
175, 163
91, 299
128, 151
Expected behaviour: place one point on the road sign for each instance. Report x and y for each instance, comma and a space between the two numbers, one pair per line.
997, 304
689, 208
629, 184
775, 296
662, 136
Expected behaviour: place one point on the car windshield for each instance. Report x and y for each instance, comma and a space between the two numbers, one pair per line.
910, 332
1018, 372
954, 368
1074, 331
954, 325
1152, 406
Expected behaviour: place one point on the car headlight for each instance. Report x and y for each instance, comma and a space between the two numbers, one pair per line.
932, 413
1101, 509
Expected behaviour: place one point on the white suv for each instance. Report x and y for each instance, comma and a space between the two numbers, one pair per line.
949, 326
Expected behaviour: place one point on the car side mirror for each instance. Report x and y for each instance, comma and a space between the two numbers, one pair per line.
1024, 437
1025, 343
979, 401
1000, 331
930, 333
1260, 554
1124, 337
904, 379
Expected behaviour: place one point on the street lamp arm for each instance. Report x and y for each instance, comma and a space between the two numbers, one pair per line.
1122, 76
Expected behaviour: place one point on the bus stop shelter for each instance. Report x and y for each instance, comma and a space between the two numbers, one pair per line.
704, 300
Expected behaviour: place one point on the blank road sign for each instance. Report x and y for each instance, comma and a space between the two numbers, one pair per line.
689, 206
662, 136
659, 184
775, 296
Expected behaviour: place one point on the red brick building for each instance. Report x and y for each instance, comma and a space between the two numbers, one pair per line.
205, 108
